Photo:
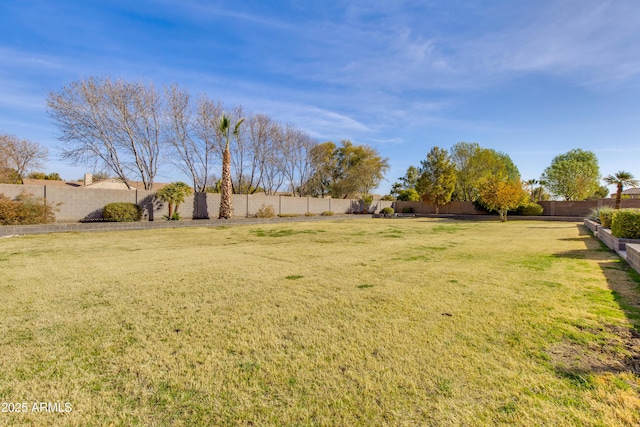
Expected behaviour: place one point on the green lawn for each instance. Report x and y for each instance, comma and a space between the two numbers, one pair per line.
360, 322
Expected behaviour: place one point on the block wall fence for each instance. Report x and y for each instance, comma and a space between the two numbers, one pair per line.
85, 204
550, 208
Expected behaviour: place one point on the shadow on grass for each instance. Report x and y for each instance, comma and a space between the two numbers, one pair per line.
616, 348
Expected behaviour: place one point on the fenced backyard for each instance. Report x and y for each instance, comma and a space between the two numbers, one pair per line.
360, 322
85, 204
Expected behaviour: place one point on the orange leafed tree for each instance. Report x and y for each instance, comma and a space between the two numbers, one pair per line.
502, 196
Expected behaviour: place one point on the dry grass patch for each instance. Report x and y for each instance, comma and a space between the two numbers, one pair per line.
360, 322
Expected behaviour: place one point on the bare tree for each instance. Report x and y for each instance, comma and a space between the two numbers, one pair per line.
193, 134
114, 124
260, 136
296, 150
210, 136
241, 156
20, 155
272, 159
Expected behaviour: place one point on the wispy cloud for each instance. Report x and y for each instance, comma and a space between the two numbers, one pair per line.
589, 41
20, 59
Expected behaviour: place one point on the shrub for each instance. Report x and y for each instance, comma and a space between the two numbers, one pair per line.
327, 213
407, 209
594, 214
367, 200
122, 212
25, 209
387, 211
266, 211
625, 224
606, 215
309, 214
288, 215
530, 209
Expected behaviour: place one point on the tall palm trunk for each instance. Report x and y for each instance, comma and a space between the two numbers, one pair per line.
226, 189
618, 195
226, 186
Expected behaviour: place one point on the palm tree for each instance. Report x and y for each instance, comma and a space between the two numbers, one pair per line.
621, 179
226, 188
174, 194
531, 184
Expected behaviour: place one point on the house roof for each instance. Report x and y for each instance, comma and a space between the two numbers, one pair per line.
49, 182
630, 191
113, 183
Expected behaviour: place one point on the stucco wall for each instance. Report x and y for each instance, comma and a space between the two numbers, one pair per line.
78, 204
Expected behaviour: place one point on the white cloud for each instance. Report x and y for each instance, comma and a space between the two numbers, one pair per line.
19, 59
587, 42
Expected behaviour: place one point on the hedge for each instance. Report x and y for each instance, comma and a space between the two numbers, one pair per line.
625, 224
606, 215
530, 209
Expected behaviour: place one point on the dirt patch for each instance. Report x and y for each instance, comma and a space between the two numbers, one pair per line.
619, 351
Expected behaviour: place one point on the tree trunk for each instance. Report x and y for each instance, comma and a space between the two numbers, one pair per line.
226, 188
618, 196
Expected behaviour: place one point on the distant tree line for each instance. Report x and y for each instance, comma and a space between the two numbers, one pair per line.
457, 174
490, 179
129, 130
132, 129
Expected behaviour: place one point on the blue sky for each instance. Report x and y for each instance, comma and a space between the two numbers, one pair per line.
531, 79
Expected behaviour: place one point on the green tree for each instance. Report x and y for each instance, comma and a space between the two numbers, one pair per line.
410, 178
346, 170
226, 188
359, 169
475, 164
573, 175
602, 192
404, 189
408, 195
323, 161
620, 180
9, 176
437, 179
174, 194
502, 195
54, 176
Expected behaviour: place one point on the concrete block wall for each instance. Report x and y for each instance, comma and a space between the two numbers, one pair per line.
12, 190
317, 206
292, 205
633, 256
592, 225
453, 208
550, 208
565, 208
86, 204
604, 234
